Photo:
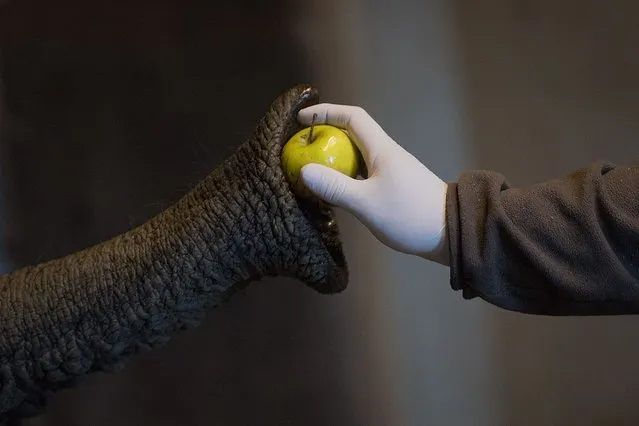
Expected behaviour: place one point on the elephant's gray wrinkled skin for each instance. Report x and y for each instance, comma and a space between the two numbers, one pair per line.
89, 311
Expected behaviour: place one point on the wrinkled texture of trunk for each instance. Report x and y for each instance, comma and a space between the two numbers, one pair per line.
114, 110
90, 310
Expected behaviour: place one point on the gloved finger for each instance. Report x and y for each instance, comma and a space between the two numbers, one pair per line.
333, 187
333, 114
365, 132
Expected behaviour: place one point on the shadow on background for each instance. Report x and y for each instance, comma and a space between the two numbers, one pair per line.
112, 111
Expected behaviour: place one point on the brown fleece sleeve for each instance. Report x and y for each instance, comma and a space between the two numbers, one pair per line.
567, 246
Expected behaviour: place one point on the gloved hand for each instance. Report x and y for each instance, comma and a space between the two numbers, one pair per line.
401, 201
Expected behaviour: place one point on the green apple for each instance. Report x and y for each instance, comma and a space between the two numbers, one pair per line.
322, 144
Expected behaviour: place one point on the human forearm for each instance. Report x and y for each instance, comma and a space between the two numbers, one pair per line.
568, 246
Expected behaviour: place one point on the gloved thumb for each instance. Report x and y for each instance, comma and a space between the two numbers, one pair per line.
330, 185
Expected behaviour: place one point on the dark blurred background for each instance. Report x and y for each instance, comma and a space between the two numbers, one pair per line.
112, 110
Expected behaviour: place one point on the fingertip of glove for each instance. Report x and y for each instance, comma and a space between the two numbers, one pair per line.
310, 172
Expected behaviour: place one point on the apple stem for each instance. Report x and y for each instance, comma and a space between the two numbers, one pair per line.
310, 133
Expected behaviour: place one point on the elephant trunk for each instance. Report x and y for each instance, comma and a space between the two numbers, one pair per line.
92, 309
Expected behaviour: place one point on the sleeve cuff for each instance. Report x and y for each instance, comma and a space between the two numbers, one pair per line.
454, 232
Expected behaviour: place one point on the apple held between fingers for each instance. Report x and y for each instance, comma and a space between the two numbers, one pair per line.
322, 144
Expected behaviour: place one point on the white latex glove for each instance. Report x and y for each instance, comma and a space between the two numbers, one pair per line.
401, 201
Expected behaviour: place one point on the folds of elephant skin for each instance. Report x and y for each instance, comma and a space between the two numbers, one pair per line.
91, 310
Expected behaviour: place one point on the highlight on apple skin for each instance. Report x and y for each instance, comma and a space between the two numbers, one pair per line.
322, 144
